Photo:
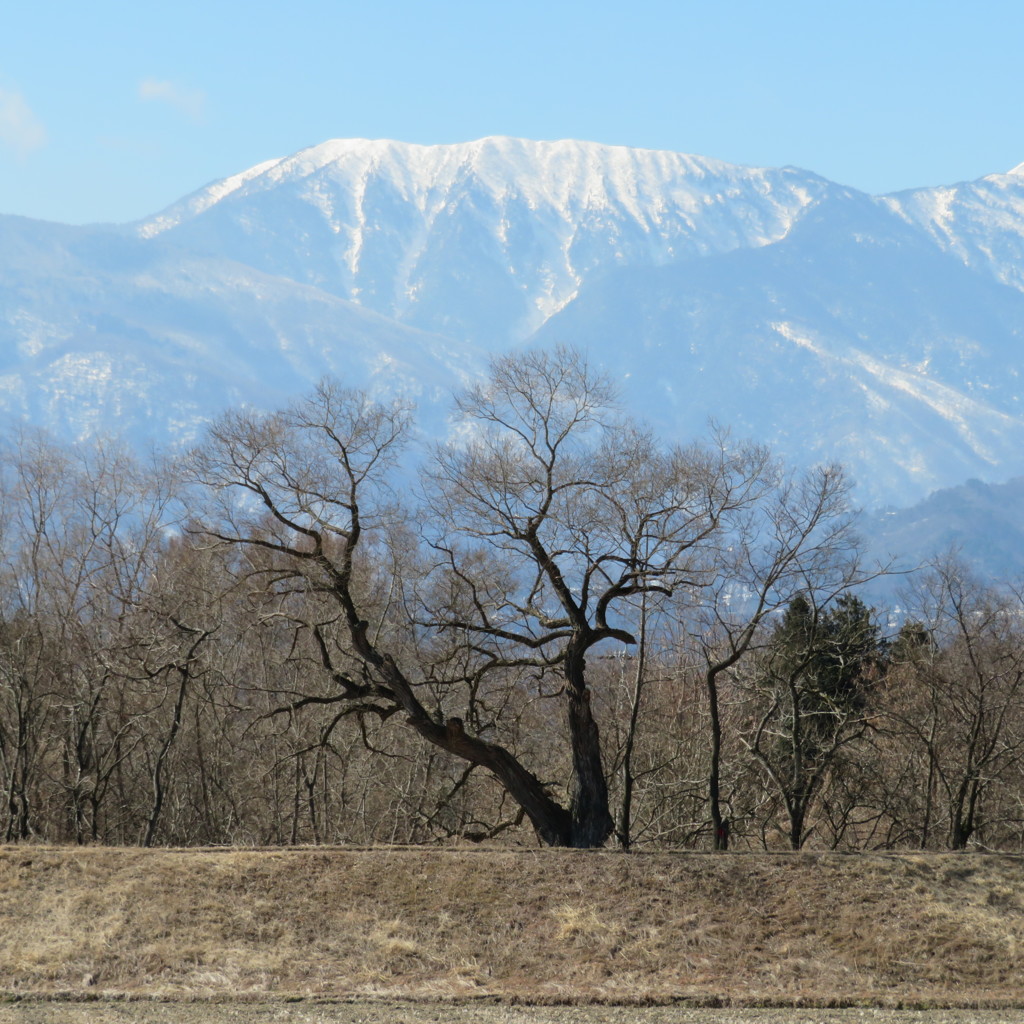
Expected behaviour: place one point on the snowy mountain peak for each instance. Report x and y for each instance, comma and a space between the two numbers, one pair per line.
565, 175
981, 222
377, 221
552, 170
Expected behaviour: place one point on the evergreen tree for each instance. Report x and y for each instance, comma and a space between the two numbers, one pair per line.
815, 678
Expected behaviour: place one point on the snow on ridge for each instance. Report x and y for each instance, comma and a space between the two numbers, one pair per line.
564, 175
966, 415
552, 212
202, 200
981, 222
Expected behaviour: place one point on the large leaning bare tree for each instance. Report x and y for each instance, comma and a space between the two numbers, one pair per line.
304, 493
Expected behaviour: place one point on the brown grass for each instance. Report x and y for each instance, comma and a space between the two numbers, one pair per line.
772, 929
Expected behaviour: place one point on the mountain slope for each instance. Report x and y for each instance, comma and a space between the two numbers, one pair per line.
982, 524
854, 338
100, 331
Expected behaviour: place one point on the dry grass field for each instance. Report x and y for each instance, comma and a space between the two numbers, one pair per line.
399, 1012
497, 926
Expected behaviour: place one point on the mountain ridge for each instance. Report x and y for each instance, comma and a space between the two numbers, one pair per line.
580, 207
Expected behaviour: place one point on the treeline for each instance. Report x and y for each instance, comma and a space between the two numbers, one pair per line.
315, 629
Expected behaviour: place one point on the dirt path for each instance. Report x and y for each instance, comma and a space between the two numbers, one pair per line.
439, 1013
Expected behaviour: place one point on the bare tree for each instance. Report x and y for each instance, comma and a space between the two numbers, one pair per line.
553, 514
86, 526
547, 518
304, 493
796, 538
956, 698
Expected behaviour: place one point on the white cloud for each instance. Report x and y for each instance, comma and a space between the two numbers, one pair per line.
188, 101
19, 127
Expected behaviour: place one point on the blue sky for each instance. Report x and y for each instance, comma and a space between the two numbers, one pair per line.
110, 111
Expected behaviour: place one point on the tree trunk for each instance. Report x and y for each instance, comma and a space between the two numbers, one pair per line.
719, 826
963, 823
929, 795
550, 820
158, 767
797, 809
592, 822
626, 807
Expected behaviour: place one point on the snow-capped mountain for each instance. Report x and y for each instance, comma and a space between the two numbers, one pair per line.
483, 240
882, 331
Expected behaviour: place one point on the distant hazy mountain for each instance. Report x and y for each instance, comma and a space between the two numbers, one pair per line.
884, 332
982, 524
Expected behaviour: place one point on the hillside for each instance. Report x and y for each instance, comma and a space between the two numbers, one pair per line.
542, 927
